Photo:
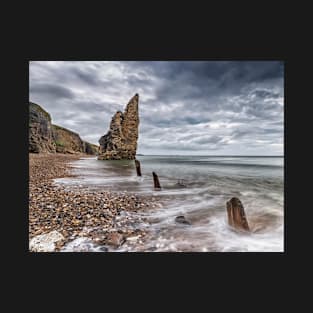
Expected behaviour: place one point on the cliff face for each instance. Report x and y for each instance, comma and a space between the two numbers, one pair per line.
40, 130
121, 140
47, 138
67, 141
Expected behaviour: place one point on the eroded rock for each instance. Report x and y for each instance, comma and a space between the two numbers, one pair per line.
121, 140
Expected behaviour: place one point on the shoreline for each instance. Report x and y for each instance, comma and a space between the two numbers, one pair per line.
78, 212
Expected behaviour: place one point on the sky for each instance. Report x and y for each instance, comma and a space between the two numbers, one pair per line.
185, 107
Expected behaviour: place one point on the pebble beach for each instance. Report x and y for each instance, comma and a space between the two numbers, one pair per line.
63, 215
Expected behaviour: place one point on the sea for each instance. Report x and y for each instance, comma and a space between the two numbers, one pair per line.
198, 188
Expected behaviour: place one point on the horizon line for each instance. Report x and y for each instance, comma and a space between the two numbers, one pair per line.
214, 155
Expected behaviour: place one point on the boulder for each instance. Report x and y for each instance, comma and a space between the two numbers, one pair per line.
45, 242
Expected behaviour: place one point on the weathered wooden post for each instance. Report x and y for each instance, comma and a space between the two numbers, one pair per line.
236, 214
156, 181
138, 169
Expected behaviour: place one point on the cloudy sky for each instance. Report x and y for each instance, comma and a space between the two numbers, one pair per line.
190, 107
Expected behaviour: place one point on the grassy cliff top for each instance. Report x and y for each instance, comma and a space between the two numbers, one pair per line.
57, 127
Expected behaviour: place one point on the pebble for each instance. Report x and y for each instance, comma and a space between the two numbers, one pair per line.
76, 211
115, 239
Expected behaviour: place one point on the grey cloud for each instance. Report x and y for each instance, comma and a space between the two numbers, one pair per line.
265, 94
85, 76
263, 110
51, 90
203, 106
209, 140
90, 106
194, 120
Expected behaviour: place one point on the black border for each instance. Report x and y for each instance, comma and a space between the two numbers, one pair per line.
220, 272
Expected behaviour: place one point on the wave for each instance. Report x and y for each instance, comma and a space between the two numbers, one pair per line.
197, 188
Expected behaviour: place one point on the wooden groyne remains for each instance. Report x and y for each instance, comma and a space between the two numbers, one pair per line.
235, 211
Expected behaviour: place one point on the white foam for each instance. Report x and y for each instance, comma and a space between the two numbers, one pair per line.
81, 244
208, 187
228, 239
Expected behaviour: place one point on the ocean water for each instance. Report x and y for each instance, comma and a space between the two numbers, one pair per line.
198, 188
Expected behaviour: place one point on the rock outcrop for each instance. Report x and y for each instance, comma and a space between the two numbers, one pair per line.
121, 140
44, 137
40, 130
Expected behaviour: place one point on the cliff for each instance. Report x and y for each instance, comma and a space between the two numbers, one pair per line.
40, 130
44, 137
67, 141
120, 142
90, 148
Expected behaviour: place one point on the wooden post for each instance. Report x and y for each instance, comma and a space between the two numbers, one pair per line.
156, 180
138, 169
236, 214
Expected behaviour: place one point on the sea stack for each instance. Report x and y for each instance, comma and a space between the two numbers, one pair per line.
121, 140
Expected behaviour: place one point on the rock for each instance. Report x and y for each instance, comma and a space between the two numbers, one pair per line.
115, 239
182, 220
40, 130
236, 214
45, 242
121, 140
